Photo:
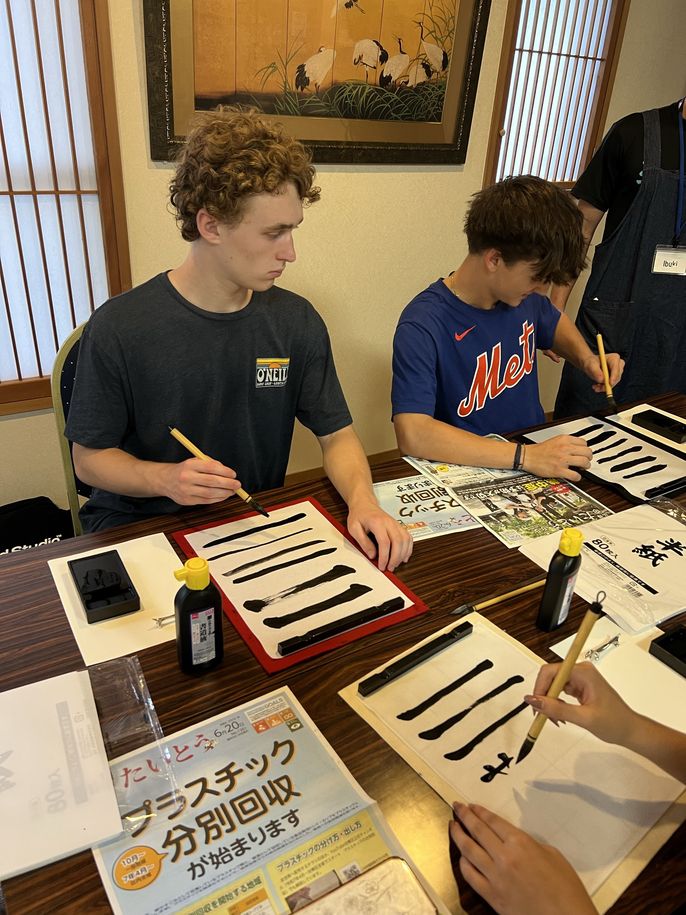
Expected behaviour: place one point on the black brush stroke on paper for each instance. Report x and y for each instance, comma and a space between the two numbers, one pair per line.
335, 572
614, 457
435, 732
468, 747
603, 437
588, 430
609, 448
254, 530
626, 465
345, 624
639, 473
412, 713
256, 546
353, 592
492, 771
270, 556
284, 565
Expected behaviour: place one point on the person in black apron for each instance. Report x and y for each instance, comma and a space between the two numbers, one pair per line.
636, 293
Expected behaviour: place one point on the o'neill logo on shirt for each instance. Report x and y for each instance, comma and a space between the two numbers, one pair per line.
488, 382
271, 372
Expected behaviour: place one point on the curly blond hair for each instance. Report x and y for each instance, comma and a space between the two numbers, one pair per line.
231, 154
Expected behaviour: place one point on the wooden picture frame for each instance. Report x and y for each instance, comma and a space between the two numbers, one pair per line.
194, 61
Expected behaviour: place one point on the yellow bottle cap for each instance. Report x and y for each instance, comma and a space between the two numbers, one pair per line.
195, 573
571, 541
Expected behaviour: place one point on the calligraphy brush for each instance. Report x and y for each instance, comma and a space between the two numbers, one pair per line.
606, 375
196, 452
593, 614
472, 608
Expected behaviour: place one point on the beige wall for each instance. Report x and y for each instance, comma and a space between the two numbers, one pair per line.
378, 235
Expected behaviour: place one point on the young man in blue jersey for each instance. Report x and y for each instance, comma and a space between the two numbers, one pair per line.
464, 353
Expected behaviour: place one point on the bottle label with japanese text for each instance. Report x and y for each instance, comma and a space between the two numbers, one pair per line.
203, 648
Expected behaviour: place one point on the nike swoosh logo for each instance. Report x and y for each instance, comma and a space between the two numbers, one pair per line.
464, 333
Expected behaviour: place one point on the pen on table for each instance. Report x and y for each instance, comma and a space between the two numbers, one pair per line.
665, 488
606, 374
196, 452
413, 659
471, 608
328, 630
593, 614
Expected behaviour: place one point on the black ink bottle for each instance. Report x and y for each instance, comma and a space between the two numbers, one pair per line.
560, 580
198, 610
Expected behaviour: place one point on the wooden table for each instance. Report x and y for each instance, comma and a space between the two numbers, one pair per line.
36, 643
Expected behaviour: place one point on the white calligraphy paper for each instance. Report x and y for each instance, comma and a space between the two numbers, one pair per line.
591, 800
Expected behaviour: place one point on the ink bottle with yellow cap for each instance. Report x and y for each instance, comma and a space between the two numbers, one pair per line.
198, 612
560, 580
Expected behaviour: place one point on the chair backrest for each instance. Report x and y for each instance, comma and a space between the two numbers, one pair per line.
62, 384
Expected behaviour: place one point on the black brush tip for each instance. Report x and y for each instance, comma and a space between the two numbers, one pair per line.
525, 748
462, 610
258, 508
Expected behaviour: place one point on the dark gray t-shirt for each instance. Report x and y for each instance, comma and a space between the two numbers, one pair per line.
232, 383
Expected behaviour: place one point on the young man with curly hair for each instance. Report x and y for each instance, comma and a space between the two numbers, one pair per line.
215, 348
464, 353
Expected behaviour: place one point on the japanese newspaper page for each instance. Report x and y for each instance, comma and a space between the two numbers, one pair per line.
263, 818
454, 475
528, 507
424, 507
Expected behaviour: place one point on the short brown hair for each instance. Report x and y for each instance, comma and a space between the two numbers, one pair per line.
529, 219
229, 155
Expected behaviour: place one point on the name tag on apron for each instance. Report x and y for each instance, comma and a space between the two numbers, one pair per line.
669, 260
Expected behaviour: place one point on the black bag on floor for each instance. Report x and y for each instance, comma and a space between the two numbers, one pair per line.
32, 522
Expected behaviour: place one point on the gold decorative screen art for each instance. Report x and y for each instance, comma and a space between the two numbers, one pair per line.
358, 80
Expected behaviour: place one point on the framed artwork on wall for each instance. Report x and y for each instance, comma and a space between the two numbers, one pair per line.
385, 81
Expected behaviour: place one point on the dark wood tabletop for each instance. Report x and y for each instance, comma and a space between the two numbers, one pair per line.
36, 642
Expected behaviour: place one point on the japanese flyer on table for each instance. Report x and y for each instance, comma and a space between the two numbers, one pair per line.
259, 816
425, 508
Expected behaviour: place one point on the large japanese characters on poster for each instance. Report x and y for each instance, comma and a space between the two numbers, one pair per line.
247, 811
637, 557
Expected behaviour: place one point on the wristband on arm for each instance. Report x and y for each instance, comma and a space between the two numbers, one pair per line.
518, 462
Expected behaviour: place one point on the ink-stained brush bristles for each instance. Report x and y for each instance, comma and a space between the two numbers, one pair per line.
254, 504
525, 749
481, 605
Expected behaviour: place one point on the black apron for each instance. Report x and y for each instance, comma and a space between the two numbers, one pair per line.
641, 314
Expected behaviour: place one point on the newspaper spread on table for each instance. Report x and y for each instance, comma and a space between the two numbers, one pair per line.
423, 506
514, 506
263, 818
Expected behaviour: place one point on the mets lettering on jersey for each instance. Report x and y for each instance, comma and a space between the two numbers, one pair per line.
271, 372
488, 381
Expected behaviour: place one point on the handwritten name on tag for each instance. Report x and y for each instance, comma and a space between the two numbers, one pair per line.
669, 260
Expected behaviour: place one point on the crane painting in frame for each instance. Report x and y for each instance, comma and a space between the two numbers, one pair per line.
357, 80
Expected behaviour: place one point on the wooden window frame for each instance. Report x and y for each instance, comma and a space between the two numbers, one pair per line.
32, 394
601, 102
